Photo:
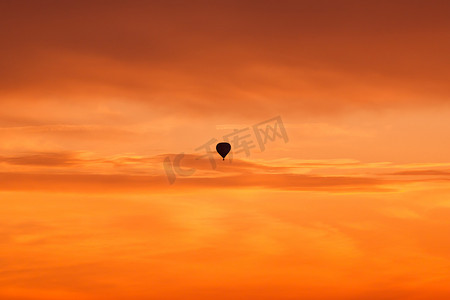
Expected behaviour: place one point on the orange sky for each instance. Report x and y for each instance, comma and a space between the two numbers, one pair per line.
95, 95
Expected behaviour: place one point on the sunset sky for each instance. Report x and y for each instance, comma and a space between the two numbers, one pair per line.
96, 95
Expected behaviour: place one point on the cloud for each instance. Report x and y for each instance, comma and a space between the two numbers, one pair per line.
43, 159
98, 183
423, 173
86, 172
295, 57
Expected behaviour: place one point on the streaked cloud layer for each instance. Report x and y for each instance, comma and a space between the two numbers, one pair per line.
319, 56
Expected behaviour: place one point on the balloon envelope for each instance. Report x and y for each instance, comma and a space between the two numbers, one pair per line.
223, 149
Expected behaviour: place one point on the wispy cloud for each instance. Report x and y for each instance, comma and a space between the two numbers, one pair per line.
43, 159
140, 174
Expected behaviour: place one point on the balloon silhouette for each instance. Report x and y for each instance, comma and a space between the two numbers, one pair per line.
223, 149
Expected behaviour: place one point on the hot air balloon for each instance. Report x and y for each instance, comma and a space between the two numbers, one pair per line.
223, 149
